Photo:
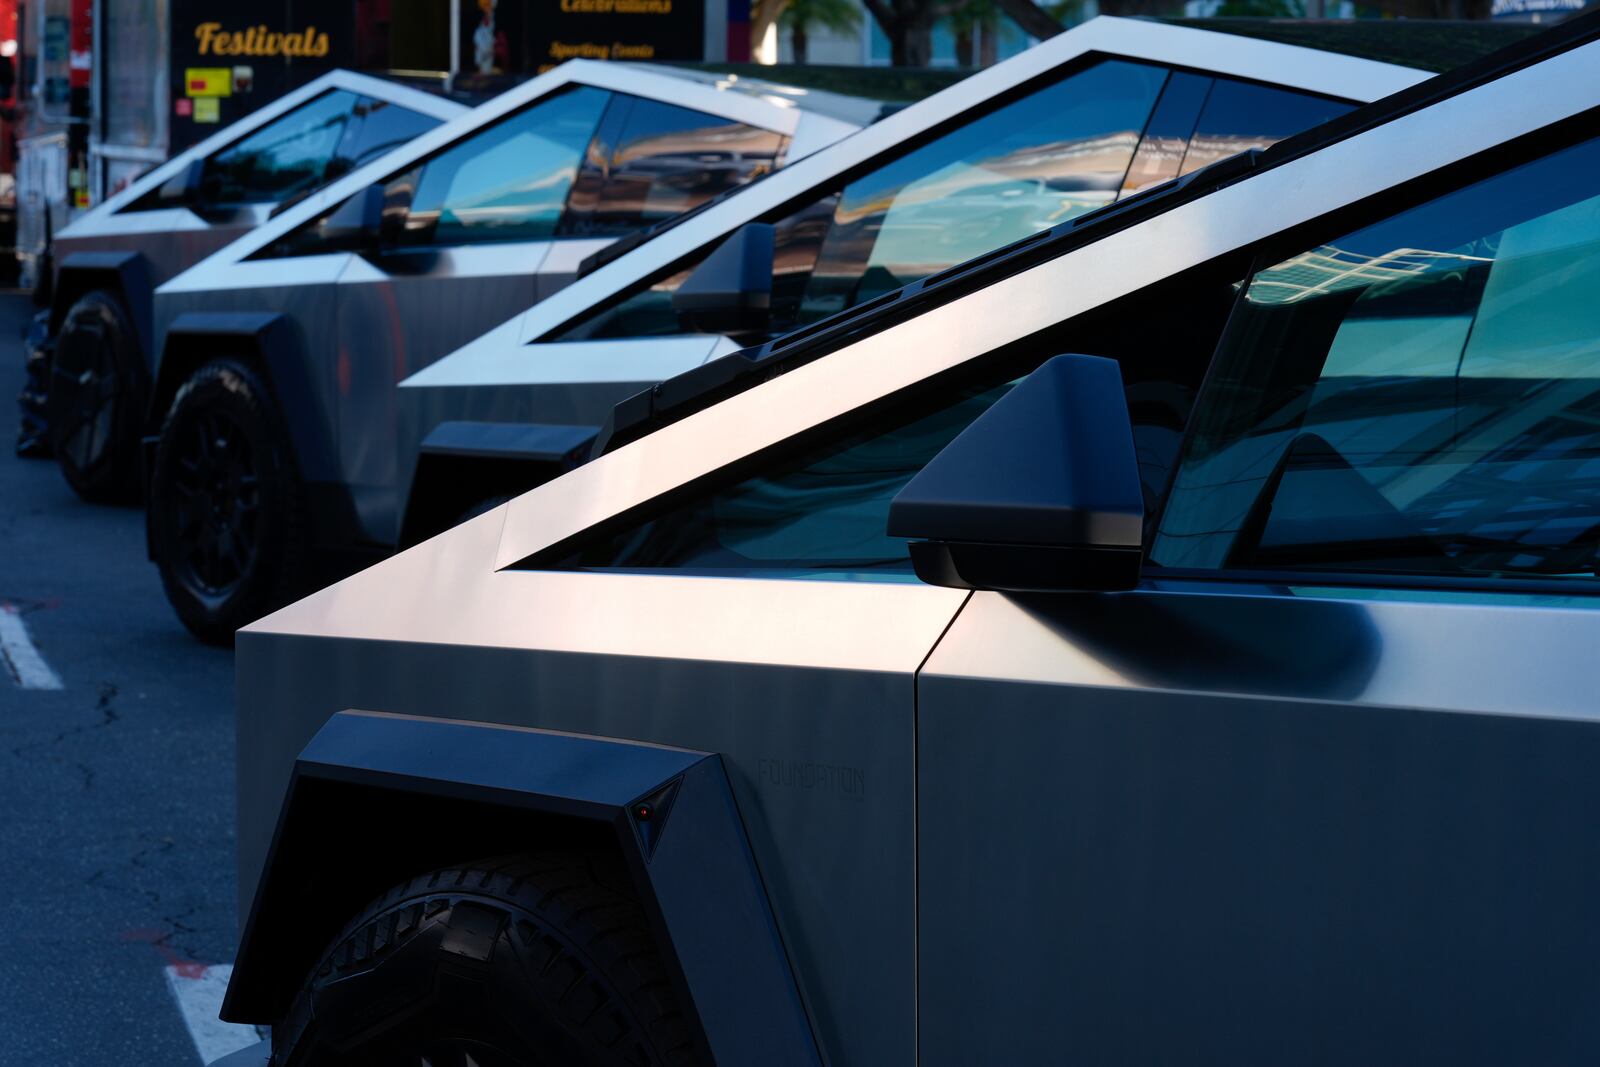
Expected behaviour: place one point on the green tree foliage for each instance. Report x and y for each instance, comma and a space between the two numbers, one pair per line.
799, 17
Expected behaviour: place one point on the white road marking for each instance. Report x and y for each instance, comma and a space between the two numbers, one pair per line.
26, 666
198, 990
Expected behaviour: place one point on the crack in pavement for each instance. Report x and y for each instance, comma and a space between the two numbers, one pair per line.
172, 936
169, 937
105, 704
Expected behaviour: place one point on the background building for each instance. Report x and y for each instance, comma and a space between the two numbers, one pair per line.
975, 34
94, 92
108, 88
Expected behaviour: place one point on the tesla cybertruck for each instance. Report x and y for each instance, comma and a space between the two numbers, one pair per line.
89, 352
1069, 126
1165, 640
280, 353
1006, 154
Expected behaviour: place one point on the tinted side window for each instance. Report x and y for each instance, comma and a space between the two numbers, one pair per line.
1028, 166
825, 509
648, 313
1045, 158
283, 158
1166, 135
1238, 116
1421, 396
377, 128
655, 160
508, 182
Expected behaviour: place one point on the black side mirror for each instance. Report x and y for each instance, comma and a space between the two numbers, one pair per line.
1040, 494
731, 291
356, 224
183, 188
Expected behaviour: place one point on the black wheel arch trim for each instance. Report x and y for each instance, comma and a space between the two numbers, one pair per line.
273, 341
461, 463
127, 274
693, 868
531, 441
275, 345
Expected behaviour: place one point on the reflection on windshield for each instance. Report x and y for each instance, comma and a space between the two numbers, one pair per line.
1421, 396
966, 209
284, 157
1025, 167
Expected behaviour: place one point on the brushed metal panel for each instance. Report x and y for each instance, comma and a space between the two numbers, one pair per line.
168, 251
804, 687
1493, 653
312, 308
397, 314
1208, 828
566, 384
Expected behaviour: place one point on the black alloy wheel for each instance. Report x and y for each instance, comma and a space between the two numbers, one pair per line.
216, 502
227, 525
96, 398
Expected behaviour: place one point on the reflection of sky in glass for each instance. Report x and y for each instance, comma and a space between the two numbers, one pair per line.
1447, 362
1239, 115
1025, 167
965, 209
518, 172
288, 152
477, 190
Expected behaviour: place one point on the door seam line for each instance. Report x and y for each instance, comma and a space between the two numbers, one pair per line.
916, 831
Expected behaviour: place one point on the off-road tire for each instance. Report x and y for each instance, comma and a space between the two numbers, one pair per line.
96, 399
522, 961
227, 511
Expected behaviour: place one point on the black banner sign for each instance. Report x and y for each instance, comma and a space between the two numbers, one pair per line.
231, 56
524, 37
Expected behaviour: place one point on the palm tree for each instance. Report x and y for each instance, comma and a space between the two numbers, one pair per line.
799, 16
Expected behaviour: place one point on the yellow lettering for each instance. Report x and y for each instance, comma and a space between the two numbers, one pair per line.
617, 7
260, 41
204, 33
586, 50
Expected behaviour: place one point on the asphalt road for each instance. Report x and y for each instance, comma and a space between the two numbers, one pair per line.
116, 791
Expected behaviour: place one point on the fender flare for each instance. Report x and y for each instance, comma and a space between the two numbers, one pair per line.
462, 463
689, 858
127, 274
274, 342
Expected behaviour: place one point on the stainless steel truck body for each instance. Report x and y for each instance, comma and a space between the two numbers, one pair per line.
1167, 640
91, 350
1085, 119
1071, 125
329, 305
